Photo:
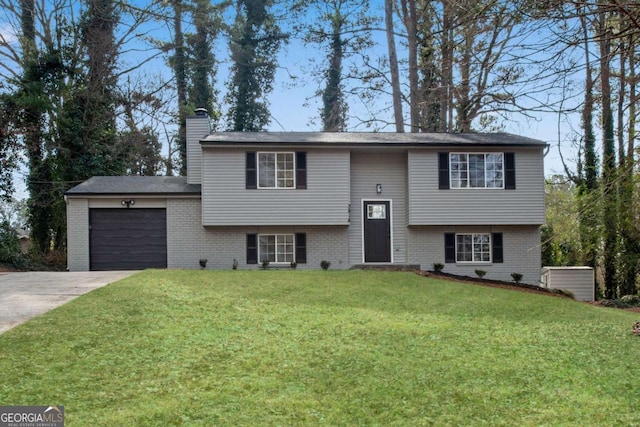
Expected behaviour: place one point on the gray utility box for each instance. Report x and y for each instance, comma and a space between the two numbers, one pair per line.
578, 280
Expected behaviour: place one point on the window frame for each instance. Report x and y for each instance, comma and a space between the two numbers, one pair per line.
453, 182
293, 171
278, 245
473, 252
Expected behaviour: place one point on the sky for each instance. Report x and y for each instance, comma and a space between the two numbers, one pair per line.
293, 107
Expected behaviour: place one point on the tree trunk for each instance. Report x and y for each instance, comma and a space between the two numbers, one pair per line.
39, 176
411, 23
628, 229
179, 70
588, 184
463, 92
333, 119
609, 171
393, 66
446, 103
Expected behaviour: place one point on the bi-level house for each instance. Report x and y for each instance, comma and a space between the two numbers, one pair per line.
467, 201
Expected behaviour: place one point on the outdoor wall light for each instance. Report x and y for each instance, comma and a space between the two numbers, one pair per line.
128, 203
378, 188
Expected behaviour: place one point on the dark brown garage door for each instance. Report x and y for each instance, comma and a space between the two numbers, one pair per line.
127, 239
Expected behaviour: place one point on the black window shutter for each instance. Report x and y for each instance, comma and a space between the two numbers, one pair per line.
301, 248
252, 171
496, 240
509, 171
301, 170
449, 248
443, 171
252, 248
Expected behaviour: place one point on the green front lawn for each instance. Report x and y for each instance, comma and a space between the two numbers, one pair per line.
323, 348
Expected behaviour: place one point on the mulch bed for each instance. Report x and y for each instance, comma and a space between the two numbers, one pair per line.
522, 287
509, 285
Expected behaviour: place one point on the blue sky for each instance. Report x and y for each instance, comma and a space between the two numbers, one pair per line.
293, 108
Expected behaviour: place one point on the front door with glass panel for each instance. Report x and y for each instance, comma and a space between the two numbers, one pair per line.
377, 231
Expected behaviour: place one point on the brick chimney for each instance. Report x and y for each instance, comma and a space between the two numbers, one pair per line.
198, 126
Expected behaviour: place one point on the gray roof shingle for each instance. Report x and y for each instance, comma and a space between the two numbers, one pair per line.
369, 138
176, 185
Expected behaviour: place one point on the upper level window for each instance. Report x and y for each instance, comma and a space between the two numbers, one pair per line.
276, 170
477, 170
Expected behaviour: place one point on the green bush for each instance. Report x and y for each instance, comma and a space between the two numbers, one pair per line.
325, 264
631, 299
566, 292
614, 303
438, 267
626, 301
517, 277
9, 244
480, 273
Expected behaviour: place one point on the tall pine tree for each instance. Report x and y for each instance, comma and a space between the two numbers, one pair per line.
254, 43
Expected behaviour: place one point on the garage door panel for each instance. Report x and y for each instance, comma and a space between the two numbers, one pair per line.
128, 239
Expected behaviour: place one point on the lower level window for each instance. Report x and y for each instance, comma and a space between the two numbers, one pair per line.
473, 247
276, 248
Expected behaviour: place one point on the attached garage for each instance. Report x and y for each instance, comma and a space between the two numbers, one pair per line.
122, 222
127, 239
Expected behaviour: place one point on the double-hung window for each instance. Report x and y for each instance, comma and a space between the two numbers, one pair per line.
276, 170
473, 247
276, 248
477, 170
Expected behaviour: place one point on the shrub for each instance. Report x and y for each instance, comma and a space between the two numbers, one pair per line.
480, 273
566, 292
9, 244
235, 264
325, 264
626, 301
294, 264
203, 263
53, 260
631, 299
614, 303
265, 264
438, 267
517, 277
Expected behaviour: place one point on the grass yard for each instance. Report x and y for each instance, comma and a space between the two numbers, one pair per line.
205, 348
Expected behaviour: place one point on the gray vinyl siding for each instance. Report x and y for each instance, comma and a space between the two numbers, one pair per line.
227, 202
578, 280
521, 251
430, 206
389, 170
197, 128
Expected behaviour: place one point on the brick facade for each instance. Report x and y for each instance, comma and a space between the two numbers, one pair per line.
78, 234
521, 251
188, 241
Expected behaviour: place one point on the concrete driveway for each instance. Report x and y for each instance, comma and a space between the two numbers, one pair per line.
27, 295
